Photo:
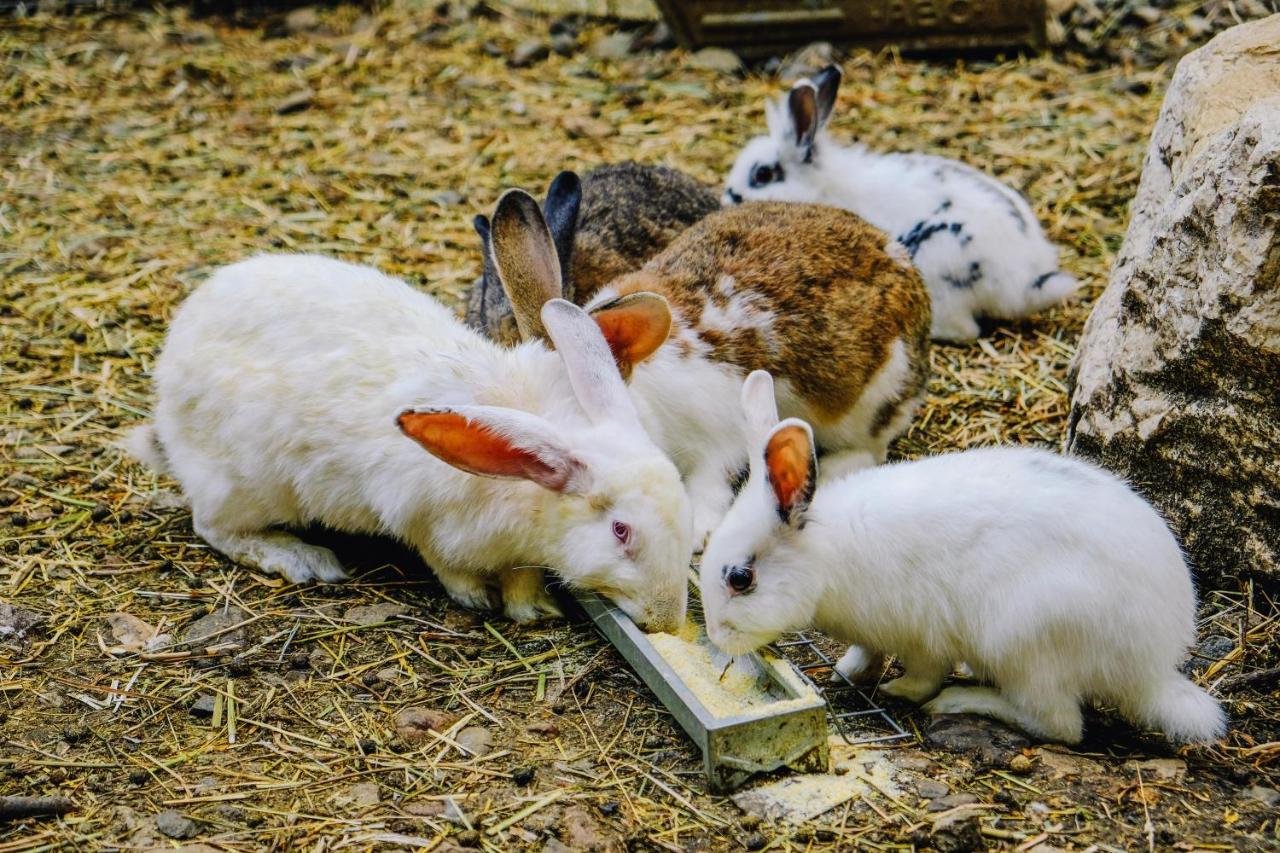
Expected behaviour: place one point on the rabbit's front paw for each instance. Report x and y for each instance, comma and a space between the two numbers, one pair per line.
470, 591
859, 665
525, 597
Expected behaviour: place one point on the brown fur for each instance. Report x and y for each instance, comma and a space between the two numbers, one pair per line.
837, 298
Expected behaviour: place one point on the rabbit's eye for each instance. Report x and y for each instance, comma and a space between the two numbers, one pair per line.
765, 173
740, 578
622, 532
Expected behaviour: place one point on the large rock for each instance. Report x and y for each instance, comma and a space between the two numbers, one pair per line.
1177, 379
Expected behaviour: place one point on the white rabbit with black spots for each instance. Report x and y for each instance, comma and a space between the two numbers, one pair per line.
975, 240
1050, 577
295, 389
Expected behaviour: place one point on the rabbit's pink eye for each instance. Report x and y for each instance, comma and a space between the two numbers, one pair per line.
622, 532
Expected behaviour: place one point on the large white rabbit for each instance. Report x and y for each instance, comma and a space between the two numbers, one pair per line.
297, 389
975, 240
1052, 579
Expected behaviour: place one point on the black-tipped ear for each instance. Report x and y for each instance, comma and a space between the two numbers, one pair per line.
827, 82
564, 198
481, 224
802, 104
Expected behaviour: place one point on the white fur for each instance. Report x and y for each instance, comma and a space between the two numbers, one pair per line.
277, 395
899, 193
1050, 577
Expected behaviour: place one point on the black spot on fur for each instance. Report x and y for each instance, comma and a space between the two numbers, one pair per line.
1040, 280
919, 233
944, 207
969, 280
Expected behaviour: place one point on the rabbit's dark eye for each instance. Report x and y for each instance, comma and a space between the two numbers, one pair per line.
765, 173
740, 578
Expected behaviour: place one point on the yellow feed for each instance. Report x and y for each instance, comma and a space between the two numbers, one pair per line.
743, 687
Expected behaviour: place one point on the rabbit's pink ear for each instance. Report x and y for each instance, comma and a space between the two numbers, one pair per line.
635, 326
792, 468
494, 442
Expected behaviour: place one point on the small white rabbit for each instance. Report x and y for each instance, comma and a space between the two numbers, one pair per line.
976, 241
297, 389
1050, 577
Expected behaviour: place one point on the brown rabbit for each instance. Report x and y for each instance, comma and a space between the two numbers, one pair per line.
813, 294
615, 219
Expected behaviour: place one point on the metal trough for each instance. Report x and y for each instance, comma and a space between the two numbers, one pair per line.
789, 730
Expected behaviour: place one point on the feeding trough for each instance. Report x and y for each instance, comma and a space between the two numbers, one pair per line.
749, 714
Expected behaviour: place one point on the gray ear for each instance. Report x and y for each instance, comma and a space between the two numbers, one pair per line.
561, 210
827, 82
802, 107
525, 259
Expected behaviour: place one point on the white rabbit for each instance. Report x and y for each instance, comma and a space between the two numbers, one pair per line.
1050, 577
976, 241
279, 391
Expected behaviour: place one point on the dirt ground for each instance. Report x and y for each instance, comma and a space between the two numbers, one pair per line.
177, 699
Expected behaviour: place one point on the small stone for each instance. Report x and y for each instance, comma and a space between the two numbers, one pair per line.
219, 627
99, 512
373, 614
231, 813
932, 789
16, 622
175, 825
564, 44
529, 52
580, 830
523, 775
302, 20
447, 198
950, 801
1209, 652
988, 741
1269, 797
546, 728
1021, 764
295, 103
412, 724
477, 740
716, 59
755, 841
390, 675
364, 794
202, 706
613, 46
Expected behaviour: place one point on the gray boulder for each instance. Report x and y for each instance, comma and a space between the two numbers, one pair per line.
1177, 377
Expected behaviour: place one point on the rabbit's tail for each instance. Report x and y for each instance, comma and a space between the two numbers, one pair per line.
1183, 711
143, 444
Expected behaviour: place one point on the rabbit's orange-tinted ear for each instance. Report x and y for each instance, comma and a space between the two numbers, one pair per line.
494, 442
792, 468
635, 326
802, 104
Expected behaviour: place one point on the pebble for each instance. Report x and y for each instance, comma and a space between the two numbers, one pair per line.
613, 46
950, 801
932, 789
755, 841
564, 44
1021, 764
476, 740
372, 614
175, 825
988, 741
202, 706
412, 724
523, 775
364, 794
716, 59
529, 52
212, 629
1267, 796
